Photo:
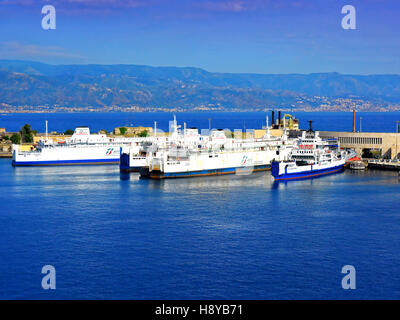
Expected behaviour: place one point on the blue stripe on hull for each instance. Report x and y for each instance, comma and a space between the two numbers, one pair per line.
211, 172
309, 174
64, 162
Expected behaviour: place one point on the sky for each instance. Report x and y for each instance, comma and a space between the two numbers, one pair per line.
259, 36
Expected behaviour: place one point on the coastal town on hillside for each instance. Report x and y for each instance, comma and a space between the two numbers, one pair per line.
315, 103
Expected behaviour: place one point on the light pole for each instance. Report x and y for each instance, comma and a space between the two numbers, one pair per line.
360, 124
209, 124
397, 137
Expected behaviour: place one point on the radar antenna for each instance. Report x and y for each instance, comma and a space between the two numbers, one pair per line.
310, 122
310, 132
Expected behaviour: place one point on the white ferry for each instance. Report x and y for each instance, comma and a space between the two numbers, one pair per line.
133, 158
311, 157
214, 154
81, 149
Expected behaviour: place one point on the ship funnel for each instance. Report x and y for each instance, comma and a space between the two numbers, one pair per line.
279, 119
273, 119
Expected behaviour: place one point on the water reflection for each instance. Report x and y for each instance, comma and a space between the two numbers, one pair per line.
259, 180
97, 220
97, 177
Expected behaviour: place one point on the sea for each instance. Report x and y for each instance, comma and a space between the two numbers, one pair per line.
114, 236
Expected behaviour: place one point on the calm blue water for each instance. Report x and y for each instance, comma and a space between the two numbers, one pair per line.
335, 121
113, 236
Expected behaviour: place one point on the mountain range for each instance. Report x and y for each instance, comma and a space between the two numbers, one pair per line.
34, 84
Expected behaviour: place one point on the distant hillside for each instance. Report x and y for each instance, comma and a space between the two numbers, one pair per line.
124, 86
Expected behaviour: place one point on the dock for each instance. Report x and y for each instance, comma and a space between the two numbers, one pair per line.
5, 154
368, 145
384, 164
5, 149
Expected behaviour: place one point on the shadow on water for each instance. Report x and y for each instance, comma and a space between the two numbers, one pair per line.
308, 180
260, 180
124, 176
224, 182
348, 177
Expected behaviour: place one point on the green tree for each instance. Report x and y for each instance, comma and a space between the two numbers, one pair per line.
69, 132
143, 133
26, 133
16, 138
123, 130
6, 138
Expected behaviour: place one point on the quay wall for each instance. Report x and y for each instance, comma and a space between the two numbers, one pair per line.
388, 144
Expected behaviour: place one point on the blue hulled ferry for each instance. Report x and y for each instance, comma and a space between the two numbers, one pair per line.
310, 157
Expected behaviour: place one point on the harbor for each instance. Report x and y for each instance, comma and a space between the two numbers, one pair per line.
146, 149
242, 229
187, 153
197, 158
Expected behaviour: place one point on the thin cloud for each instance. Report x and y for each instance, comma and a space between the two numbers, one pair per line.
87, 3
109, 3
230, 6
249, 5
81, 7
17, 50
18, 2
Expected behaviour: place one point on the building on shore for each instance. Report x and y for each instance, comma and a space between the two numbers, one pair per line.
132, 131
368, 144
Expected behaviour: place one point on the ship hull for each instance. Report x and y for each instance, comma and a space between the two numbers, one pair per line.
206, 164
66, 156
307, 174
65, 162
158, 175
126, 163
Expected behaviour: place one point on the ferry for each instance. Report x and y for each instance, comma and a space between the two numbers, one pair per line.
83, 148
133, 158
213, 154
311, 157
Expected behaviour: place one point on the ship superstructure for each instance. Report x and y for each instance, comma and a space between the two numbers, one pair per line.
310, 157
82, 148
187, 153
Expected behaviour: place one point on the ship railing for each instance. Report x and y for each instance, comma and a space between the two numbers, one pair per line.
173, 162
25, 152
222, 150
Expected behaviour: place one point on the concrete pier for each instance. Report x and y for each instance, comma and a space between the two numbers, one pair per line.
387, 165
387, 145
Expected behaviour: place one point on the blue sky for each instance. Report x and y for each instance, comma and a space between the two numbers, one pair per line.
269, 36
